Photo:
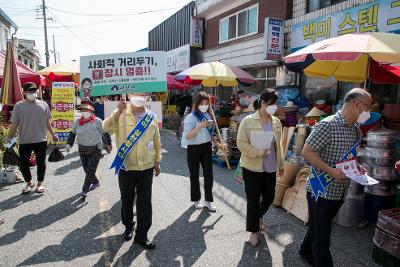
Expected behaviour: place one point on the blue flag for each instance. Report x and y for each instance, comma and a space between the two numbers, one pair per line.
130, 142
201, 118
319, 182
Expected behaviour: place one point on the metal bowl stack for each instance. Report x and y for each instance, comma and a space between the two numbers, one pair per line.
379, 161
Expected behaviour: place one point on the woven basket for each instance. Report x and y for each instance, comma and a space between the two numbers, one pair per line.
280, 190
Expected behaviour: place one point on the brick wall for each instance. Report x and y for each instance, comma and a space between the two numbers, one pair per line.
266, 8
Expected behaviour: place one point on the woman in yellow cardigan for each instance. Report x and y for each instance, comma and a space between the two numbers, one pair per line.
260, 165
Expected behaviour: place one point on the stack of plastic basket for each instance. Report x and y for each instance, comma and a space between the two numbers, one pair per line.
387, 238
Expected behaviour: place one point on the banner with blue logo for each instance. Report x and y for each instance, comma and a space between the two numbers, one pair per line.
132, 139
202, 118
319, 182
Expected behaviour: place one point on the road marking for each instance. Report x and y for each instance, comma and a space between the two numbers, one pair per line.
106, 226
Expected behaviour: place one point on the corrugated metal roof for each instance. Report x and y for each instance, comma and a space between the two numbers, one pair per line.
8, 19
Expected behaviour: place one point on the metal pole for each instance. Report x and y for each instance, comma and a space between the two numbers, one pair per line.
54, 50
46, 44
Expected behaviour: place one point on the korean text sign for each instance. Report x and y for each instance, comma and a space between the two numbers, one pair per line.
111, 74
383, 16
273, 39
62, 109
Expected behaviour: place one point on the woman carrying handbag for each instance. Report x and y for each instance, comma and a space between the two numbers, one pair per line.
89, 134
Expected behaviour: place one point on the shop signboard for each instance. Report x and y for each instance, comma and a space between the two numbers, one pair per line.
196, 32
273, 43
382, 16
178, 59
62, 109
111, 74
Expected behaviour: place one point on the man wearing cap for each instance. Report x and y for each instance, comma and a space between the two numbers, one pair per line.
32, 117
138, 156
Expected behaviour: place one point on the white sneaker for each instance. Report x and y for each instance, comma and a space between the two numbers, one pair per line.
210, 206
198, 205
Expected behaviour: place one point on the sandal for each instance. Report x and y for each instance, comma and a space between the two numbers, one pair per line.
28, 188
40, 189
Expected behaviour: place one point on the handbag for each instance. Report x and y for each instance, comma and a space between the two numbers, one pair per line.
10, 157
56, 155
239, 174
86, 150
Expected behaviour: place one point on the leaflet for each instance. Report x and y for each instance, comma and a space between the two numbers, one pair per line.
351, 171
261, 139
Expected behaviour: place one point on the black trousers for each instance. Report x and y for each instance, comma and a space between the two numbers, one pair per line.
140, 182
317, 241
90, 162
196, 155
25, 152
258, 185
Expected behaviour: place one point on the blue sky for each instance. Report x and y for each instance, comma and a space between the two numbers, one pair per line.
114, 25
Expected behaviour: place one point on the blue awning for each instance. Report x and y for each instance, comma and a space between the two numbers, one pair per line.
8, 19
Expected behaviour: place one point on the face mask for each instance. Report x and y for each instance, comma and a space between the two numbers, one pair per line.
363, 117
203, 108
86, 115
271, 109
31, 96
138, 101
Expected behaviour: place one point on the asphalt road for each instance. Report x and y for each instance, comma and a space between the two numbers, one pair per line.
56, 229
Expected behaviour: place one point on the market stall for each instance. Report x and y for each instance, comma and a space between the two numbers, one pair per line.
215, 76
25, 74
335, 65
63, 72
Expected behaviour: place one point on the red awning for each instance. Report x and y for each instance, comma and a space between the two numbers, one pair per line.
384, 73
174, 84
393, 69
25, 74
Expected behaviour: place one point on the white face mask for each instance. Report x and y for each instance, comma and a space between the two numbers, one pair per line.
203, 108
271, 109
86, 115
138, 101
31, 96
363, 117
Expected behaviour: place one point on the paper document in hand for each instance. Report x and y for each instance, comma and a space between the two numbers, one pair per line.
351, 171
11, 143
261, 139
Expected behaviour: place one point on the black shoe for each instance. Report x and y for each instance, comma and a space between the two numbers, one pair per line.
145, 243
128, 234
306, 256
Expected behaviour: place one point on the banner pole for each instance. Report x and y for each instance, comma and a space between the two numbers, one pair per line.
124, 127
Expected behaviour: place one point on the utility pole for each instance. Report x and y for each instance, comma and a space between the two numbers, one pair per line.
54, 50
46, 44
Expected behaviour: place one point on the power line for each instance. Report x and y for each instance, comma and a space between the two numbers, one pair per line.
111, 15
70, 26
76, 36
91, 23
18, 8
